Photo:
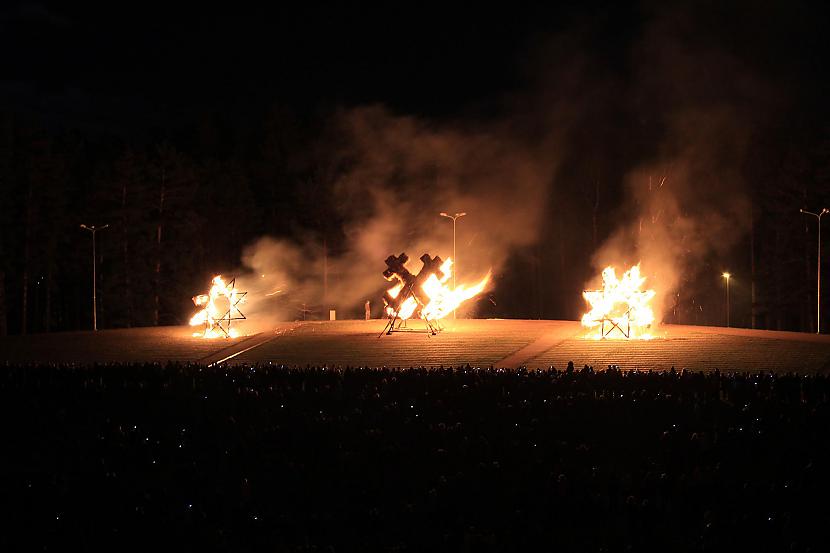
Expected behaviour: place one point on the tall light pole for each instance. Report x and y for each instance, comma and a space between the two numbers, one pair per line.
454, 255
726, 276
818, 216
93, 229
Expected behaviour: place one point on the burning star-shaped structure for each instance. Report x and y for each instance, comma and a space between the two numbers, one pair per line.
621, 305
423, 295
219, 308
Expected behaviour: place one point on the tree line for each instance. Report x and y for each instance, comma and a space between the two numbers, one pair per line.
181, 206
178, 211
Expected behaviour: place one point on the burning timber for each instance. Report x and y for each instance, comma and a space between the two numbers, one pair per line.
219, 308
424, 295
620, 306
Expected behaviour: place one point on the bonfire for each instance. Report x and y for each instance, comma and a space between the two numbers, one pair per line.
426, 295
219, 308
621, 309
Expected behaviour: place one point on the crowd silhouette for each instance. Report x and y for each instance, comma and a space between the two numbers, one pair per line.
242, 458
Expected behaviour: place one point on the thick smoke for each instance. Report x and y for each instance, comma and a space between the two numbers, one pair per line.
686, 204
402, 172
685, 107
683, 210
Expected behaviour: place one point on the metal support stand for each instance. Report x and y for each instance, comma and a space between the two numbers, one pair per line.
614, 324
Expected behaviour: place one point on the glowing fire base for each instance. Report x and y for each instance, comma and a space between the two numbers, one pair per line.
616, 324
401, 325
397, 323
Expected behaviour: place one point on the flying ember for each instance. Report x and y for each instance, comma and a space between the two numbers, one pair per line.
219, 307
426, 295
621, 305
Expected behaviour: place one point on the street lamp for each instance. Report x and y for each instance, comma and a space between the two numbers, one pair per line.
818, 266
454, 256
726, 276
93, 229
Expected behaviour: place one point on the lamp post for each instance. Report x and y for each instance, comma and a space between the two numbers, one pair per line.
726, 276
454, 256
93, 229
818, 216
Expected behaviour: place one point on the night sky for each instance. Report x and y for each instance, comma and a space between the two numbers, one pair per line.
124, 69
626, 89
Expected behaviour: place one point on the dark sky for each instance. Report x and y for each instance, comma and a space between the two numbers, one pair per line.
123, 67
117, 67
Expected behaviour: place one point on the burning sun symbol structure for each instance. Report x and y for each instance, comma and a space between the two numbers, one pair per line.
219, 307
621, 305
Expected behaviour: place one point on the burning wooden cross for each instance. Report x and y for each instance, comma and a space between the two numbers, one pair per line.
409, 297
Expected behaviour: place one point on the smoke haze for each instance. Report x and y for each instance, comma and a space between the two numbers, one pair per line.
683, 199
683, 210
400, 174
686, 205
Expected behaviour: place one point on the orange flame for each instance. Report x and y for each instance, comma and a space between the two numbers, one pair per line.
442, 299
621, 309
215, 310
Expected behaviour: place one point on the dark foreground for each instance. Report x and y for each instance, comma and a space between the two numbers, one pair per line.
183, 458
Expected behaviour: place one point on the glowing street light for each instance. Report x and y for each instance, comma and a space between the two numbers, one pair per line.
93, 229
726, 276
818, 216
454, 255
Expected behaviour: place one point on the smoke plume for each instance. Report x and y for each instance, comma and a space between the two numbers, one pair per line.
686, 204
683, 211
400, 173
685, 106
